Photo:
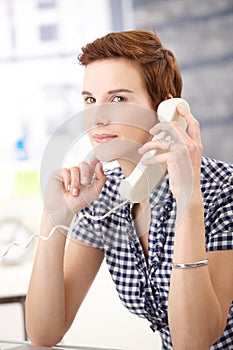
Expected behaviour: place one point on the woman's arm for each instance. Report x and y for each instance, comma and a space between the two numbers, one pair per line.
58, 286
61, 278
199, 298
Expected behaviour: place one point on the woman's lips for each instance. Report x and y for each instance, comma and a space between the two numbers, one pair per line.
101, 138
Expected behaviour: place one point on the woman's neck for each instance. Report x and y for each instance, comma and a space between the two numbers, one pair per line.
127, 166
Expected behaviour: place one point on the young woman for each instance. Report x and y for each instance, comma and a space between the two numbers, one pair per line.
177, 275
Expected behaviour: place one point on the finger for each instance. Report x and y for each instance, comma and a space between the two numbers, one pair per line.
99, 172
161, 145
100, 177
91, 193
193, 123
87, 168
157, 159
93, 161
85, 174
75, 183
66, 178
166, 128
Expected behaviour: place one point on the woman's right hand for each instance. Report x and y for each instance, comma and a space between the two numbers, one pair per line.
70, 190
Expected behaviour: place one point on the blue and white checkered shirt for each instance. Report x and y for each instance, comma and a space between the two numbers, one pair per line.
143, 285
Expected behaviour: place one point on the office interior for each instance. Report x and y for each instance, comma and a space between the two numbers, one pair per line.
40, 85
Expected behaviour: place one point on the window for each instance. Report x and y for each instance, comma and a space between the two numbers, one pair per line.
48, 32
46, 4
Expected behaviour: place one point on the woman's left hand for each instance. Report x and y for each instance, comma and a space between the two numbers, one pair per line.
181, 151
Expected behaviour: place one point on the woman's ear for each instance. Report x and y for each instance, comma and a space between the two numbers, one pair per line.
168, 97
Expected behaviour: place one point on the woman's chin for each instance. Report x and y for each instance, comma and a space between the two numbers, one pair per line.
117, 149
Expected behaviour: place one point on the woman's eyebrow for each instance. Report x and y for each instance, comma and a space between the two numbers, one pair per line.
110, 92
84, 92
119, 90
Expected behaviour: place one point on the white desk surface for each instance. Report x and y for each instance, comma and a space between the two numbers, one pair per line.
6, 345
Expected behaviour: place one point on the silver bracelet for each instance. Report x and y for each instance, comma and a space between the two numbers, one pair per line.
190, 265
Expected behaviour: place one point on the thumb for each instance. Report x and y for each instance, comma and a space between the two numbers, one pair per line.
93, 161
100, 177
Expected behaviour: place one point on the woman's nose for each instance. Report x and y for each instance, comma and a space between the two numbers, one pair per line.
102, 120
98, 115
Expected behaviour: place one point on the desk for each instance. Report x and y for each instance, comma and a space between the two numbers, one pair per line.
7, 345
14, 284
16, 299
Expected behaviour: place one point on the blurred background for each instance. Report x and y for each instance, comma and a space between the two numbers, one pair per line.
40, 84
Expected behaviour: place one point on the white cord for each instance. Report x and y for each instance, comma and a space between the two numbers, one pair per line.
26, 245
96, 218
46, 238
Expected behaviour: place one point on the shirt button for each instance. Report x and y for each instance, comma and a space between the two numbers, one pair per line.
163, 217
168, 207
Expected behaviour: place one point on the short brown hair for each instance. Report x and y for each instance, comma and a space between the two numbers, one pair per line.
158, 66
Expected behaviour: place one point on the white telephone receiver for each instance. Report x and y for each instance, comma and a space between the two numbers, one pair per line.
139, 184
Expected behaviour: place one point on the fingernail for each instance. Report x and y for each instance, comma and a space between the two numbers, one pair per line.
74, 192
68, 187
98, 168
84, 180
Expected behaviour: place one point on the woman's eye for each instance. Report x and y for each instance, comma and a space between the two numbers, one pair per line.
89, 100
118, 99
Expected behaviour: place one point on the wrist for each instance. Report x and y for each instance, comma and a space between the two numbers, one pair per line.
196, 201
53, 218
190, 200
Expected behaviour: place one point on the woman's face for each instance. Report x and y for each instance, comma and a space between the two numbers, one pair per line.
122, 116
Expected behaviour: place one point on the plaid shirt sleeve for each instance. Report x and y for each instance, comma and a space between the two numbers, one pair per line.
83, 229
218, 204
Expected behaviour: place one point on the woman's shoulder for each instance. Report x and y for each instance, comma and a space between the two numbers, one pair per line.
216, 172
